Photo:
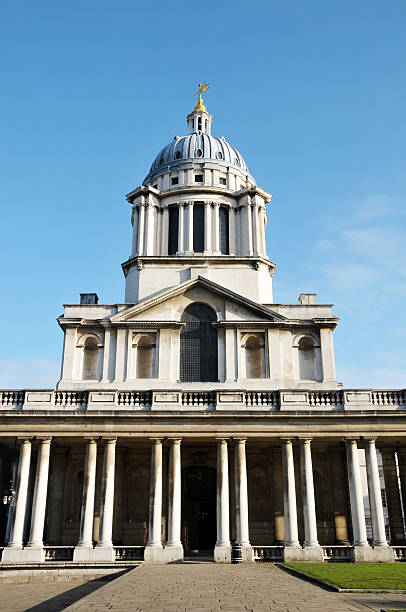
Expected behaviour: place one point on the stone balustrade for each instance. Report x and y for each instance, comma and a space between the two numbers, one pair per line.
283, 400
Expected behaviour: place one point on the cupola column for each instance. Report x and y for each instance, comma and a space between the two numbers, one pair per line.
207, 227
165, 231
216, 228
190, 227
181, 228
141, 227
255, 223
249, 227
150, 229
134, 220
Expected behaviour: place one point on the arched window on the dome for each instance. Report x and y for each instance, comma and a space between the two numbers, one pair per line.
198, 228
198, 345
173, 230
223, 229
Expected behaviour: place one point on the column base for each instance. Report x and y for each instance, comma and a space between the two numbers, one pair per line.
363, 554
104, 553
247, 554
174, 554
155, 554
313, 553
222, 554
23, 555
383, 554
293, 553
83, 553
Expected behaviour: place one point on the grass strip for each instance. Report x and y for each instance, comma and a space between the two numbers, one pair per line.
356, 575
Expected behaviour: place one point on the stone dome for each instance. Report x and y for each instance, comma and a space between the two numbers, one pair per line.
199, 146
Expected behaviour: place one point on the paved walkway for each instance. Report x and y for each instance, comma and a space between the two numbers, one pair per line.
191, 587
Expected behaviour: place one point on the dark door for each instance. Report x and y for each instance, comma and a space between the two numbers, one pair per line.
198, 508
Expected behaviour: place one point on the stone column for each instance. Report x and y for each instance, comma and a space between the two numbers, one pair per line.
241, 500
134, 219
262, 217
190, 227
255, 223
312, 548
231, 231
174, 548
104, 550
216, 228
207, 227
13, 552
292, 550
149, 250
165, 231
153, 551
249, 227
327, 354
361, 548
84, 548
380, 543
34, 550
141, 229
222, 551
181, 228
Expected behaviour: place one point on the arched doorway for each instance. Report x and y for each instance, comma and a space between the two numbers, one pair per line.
198, 508
198, 345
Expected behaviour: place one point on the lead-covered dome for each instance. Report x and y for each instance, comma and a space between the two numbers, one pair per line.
198, 147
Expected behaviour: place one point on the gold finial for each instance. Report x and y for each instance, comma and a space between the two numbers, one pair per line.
200, 106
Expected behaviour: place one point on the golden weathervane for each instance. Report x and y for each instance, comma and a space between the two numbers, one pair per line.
199, 106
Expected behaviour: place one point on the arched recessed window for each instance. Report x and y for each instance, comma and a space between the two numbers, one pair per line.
198, 228
145, 361
254, 356
173, 230
223, 229
178, 155
307, 359
219, 155
198, 345
90, 359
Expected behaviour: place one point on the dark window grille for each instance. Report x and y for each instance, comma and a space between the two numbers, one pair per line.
198, 345
173, 230
198, 228
223, 225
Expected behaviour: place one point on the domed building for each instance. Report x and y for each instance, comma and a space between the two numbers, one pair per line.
199, 417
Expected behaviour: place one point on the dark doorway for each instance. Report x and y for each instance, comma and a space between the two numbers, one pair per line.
198, 509
198, 345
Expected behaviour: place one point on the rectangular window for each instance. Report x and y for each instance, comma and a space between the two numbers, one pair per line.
198, 178
173, 230
223, 181
198, 228
174, 180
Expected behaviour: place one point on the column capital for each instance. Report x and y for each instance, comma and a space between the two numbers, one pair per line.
182, 203
44, 439
305, 439
370, 438
91, 438
24, 439
173, 440
290, 439
240, 439
157, 439
221, 439
109, 440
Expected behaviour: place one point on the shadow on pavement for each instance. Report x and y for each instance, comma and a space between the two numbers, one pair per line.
67, 598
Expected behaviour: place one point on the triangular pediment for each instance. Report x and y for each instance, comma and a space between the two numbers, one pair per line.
156, 304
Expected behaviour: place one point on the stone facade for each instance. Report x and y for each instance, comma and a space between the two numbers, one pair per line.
199, 414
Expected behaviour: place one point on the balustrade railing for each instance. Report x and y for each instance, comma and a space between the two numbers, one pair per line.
262, 398
134, 398
59, 553
399, 553
129, 553
330, 399
12, 398
389, 398
268, 553
337, 553
199, 398
71, 398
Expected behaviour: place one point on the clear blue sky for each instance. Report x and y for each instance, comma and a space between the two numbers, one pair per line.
311, 92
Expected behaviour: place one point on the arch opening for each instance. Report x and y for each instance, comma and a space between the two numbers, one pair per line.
198, 508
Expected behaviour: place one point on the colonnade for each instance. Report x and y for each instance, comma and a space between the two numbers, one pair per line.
246, 228
155, 550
